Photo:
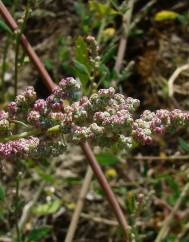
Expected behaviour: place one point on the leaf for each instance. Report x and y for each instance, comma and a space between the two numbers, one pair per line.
81, 72
38, 234
184, 146
47, 208
165, 15
2, 193
106, 159
130, 202
72, 180
101, 9
5, 27
48, 64
41, 13
109, 54
8, 2
175, 194
44, 176
81, 52
81, 68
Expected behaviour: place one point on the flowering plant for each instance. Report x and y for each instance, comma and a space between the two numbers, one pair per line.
105, 118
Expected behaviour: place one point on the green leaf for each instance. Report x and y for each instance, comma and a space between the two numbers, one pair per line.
121, 190
38, 234
130, 202
183, 145
47, 208
2, 193
81, 72
5, 27
42, 13
72, 180
81, 68
81, 53
102, 9
106, 159
48, 64
109, 54
8, 2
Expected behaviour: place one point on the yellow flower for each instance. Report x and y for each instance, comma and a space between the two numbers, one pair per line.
111, 172
165, 15
108, 32
71, 206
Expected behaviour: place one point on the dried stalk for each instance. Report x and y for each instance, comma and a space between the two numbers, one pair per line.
174, 76
123, 41
79, 206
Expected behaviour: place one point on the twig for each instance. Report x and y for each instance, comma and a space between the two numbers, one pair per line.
123, 41
79, 205
18, 34
172, 158
104, 183
100, 220
183, 232
17, 198
28, 207
142, 13
174, 76
5, 239
85, 147
167, 223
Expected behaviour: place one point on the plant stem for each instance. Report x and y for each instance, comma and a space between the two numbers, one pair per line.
18, 235
3, 69
19, 136
17, 48
79, 206
107, 189
52, 130
123, 40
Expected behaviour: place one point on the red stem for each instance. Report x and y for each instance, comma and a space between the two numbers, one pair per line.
85, 147
106, 187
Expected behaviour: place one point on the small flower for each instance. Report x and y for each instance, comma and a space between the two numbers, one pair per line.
124, 142
21, 148
34, 118
69, 84
111, 173
80, 134
40, 106
97, 130
30, 95
4, 125
54, 103
12, 109
3, 115
21, 100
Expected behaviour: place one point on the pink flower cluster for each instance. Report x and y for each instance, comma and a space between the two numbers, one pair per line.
158, 122
105, 118
21, 148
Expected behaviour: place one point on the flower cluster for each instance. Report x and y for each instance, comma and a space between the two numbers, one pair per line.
158, 122
21, 148
4, 123
105, 118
